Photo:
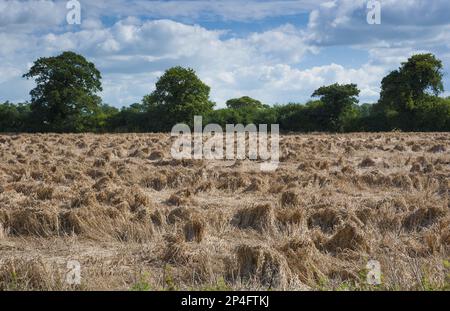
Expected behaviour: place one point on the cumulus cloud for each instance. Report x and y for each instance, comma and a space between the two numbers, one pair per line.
30, 16
132, 54
407, 28
139, 49
413, 22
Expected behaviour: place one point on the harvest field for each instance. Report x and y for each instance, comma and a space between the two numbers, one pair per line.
134, 218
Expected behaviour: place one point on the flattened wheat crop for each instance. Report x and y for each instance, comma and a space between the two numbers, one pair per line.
135, 218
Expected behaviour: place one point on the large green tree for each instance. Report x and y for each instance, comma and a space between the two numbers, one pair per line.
337, 100
179, 96
64, 96
423, 73
403, 89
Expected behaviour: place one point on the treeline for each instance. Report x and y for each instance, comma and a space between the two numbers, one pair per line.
65, 100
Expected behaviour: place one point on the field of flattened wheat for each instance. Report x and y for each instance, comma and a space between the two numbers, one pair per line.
134, 218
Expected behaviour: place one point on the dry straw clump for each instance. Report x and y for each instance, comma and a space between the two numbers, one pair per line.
176, 250
326, 219
437, 148
349, 237
262, 265
194, 230
305, 260
367, 162
424, 217
29, 274
3, 232
28, 221
290, 198
260, 218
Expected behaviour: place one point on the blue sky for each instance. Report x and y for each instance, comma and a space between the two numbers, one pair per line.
275, 51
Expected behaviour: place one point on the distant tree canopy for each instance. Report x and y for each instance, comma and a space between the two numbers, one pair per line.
14, 117
178, 97
244, 102
64, 97
243, 110
337, 100
65, 100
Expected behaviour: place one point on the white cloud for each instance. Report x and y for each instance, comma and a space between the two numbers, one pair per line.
289, 83
29, 16
407, 28
412, 22
131, 55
